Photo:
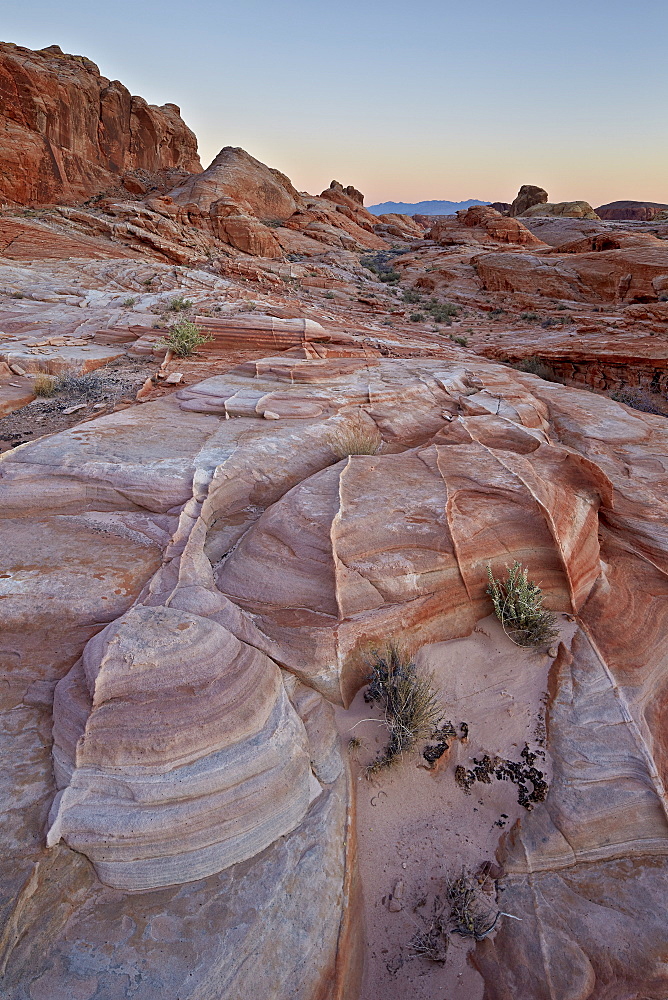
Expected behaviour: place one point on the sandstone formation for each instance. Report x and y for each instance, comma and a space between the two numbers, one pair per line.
527, 196
69, 133
196, 572
643, 210
566, 209
486, 225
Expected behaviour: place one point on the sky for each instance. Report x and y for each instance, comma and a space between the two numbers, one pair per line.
451, 99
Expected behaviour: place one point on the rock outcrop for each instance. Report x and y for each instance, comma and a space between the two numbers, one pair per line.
69, 133
527, 196
562, 209
481, 224
643, 210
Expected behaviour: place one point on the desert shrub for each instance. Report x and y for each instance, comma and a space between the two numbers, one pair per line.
44, 385
85, 386
183, 339
518, 604
442, 312
497, 312
409, 703
417, 317
551, 321
380, 265
530, 317
411, 296
329, 295
534, 366
462, 341
355, 439
178, 304
639, 399
129, 302
390, 277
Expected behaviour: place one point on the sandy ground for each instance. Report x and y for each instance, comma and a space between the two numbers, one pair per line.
416, 827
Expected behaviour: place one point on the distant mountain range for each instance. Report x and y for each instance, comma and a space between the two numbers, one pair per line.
422, 207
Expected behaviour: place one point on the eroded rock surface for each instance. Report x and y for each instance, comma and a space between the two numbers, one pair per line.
69, 133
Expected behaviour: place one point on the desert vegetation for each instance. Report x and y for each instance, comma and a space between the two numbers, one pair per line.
518, 604
183, 339
408, 700
358, 438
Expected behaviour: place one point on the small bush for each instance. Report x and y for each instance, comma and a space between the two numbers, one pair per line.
129, 302
44, 385
518, 604
183, 339
356, 439
179, 304
640, 399
442, 312
411, 296
497, 312
417, 317
551, 321
530, 317
462, 341
534, 366
380, 266
329, 295
408, 701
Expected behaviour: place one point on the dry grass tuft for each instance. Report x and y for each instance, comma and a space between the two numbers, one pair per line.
518, 604
472, 912
409, 702
359, 438
44, 385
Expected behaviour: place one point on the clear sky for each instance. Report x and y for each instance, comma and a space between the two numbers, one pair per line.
406, 100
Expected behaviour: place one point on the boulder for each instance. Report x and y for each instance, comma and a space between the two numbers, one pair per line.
527, 196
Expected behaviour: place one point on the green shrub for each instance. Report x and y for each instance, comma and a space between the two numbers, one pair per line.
462, 341
409, 703
329, 295
390, 277
518, 604
183, 339
178, 304
129, 302
417, 317
442, 312
530, 317
411, 296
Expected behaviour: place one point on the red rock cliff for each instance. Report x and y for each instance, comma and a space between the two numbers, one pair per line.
67, 133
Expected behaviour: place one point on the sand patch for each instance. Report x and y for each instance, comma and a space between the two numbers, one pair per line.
416, 827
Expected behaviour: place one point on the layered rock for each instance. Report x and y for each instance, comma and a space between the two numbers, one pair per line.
166, 778
629, 274
167, 736
482, 224
69, 133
